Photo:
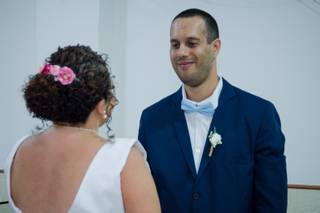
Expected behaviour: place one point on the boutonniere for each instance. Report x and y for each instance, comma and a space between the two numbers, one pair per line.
215, 140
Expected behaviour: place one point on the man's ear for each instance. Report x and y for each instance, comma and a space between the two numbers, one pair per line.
101, 107
216, 45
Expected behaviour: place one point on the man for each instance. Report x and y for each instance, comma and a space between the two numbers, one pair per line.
211, 146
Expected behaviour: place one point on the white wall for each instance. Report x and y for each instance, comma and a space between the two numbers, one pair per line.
112, 40
65, 22
269, 48
18, 59
30, 32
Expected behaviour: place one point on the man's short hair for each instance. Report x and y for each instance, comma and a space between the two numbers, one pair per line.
210, 22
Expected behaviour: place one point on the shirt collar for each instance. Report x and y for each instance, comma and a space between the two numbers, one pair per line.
214, 98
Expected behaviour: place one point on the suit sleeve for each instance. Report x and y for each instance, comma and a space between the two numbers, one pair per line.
141, 132
270, 176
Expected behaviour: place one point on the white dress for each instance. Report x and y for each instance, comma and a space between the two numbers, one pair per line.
100, 189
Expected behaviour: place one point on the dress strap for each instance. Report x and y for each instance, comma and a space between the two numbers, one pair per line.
7, 170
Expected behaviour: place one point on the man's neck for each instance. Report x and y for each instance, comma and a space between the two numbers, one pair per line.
202, 91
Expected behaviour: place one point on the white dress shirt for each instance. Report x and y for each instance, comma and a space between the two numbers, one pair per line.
198, 124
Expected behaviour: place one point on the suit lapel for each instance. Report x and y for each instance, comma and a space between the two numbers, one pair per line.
217, 122
182, 132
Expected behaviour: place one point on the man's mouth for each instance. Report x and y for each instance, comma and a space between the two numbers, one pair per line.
185, 65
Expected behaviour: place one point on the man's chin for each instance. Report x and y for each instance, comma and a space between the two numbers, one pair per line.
189, 82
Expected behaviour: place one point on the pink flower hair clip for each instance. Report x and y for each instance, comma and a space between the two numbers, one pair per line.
64, 75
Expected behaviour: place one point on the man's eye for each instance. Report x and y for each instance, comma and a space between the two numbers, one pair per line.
174, 45
192, 44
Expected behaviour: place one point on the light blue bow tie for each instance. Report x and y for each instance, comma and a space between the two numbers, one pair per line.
206, 108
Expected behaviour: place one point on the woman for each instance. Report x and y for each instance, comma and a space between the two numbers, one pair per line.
68, 166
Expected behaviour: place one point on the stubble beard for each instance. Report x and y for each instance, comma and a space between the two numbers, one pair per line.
195, 79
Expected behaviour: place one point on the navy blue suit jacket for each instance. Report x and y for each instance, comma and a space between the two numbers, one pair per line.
246, 173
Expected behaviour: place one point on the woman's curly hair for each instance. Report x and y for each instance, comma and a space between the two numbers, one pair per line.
49, 100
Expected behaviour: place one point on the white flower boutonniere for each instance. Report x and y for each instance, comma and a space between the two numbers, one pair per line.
215, 139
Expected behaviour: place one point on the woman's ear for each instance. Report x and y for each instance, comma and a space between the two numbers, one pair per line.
101, 107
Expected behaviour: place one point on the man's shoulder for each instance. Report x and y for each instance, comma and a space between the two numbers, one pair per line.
252, 105
163, 103
164, 106
254, 108
247, 97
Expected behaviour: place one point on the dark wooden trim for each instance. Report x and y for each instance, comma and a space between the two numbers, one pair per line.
300, 186
4, 202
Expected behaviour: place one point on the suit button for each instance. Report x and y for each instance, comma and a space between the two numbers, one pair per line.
195, 196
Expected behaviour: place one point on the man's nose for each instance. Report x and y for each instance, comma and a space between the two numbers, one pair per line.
182, 51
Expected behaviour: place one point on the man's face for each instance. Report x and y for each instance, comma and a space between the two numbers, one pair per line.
191, 56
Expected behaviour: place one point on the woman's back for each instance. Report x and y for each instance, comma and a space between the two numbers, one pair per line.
48, 169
